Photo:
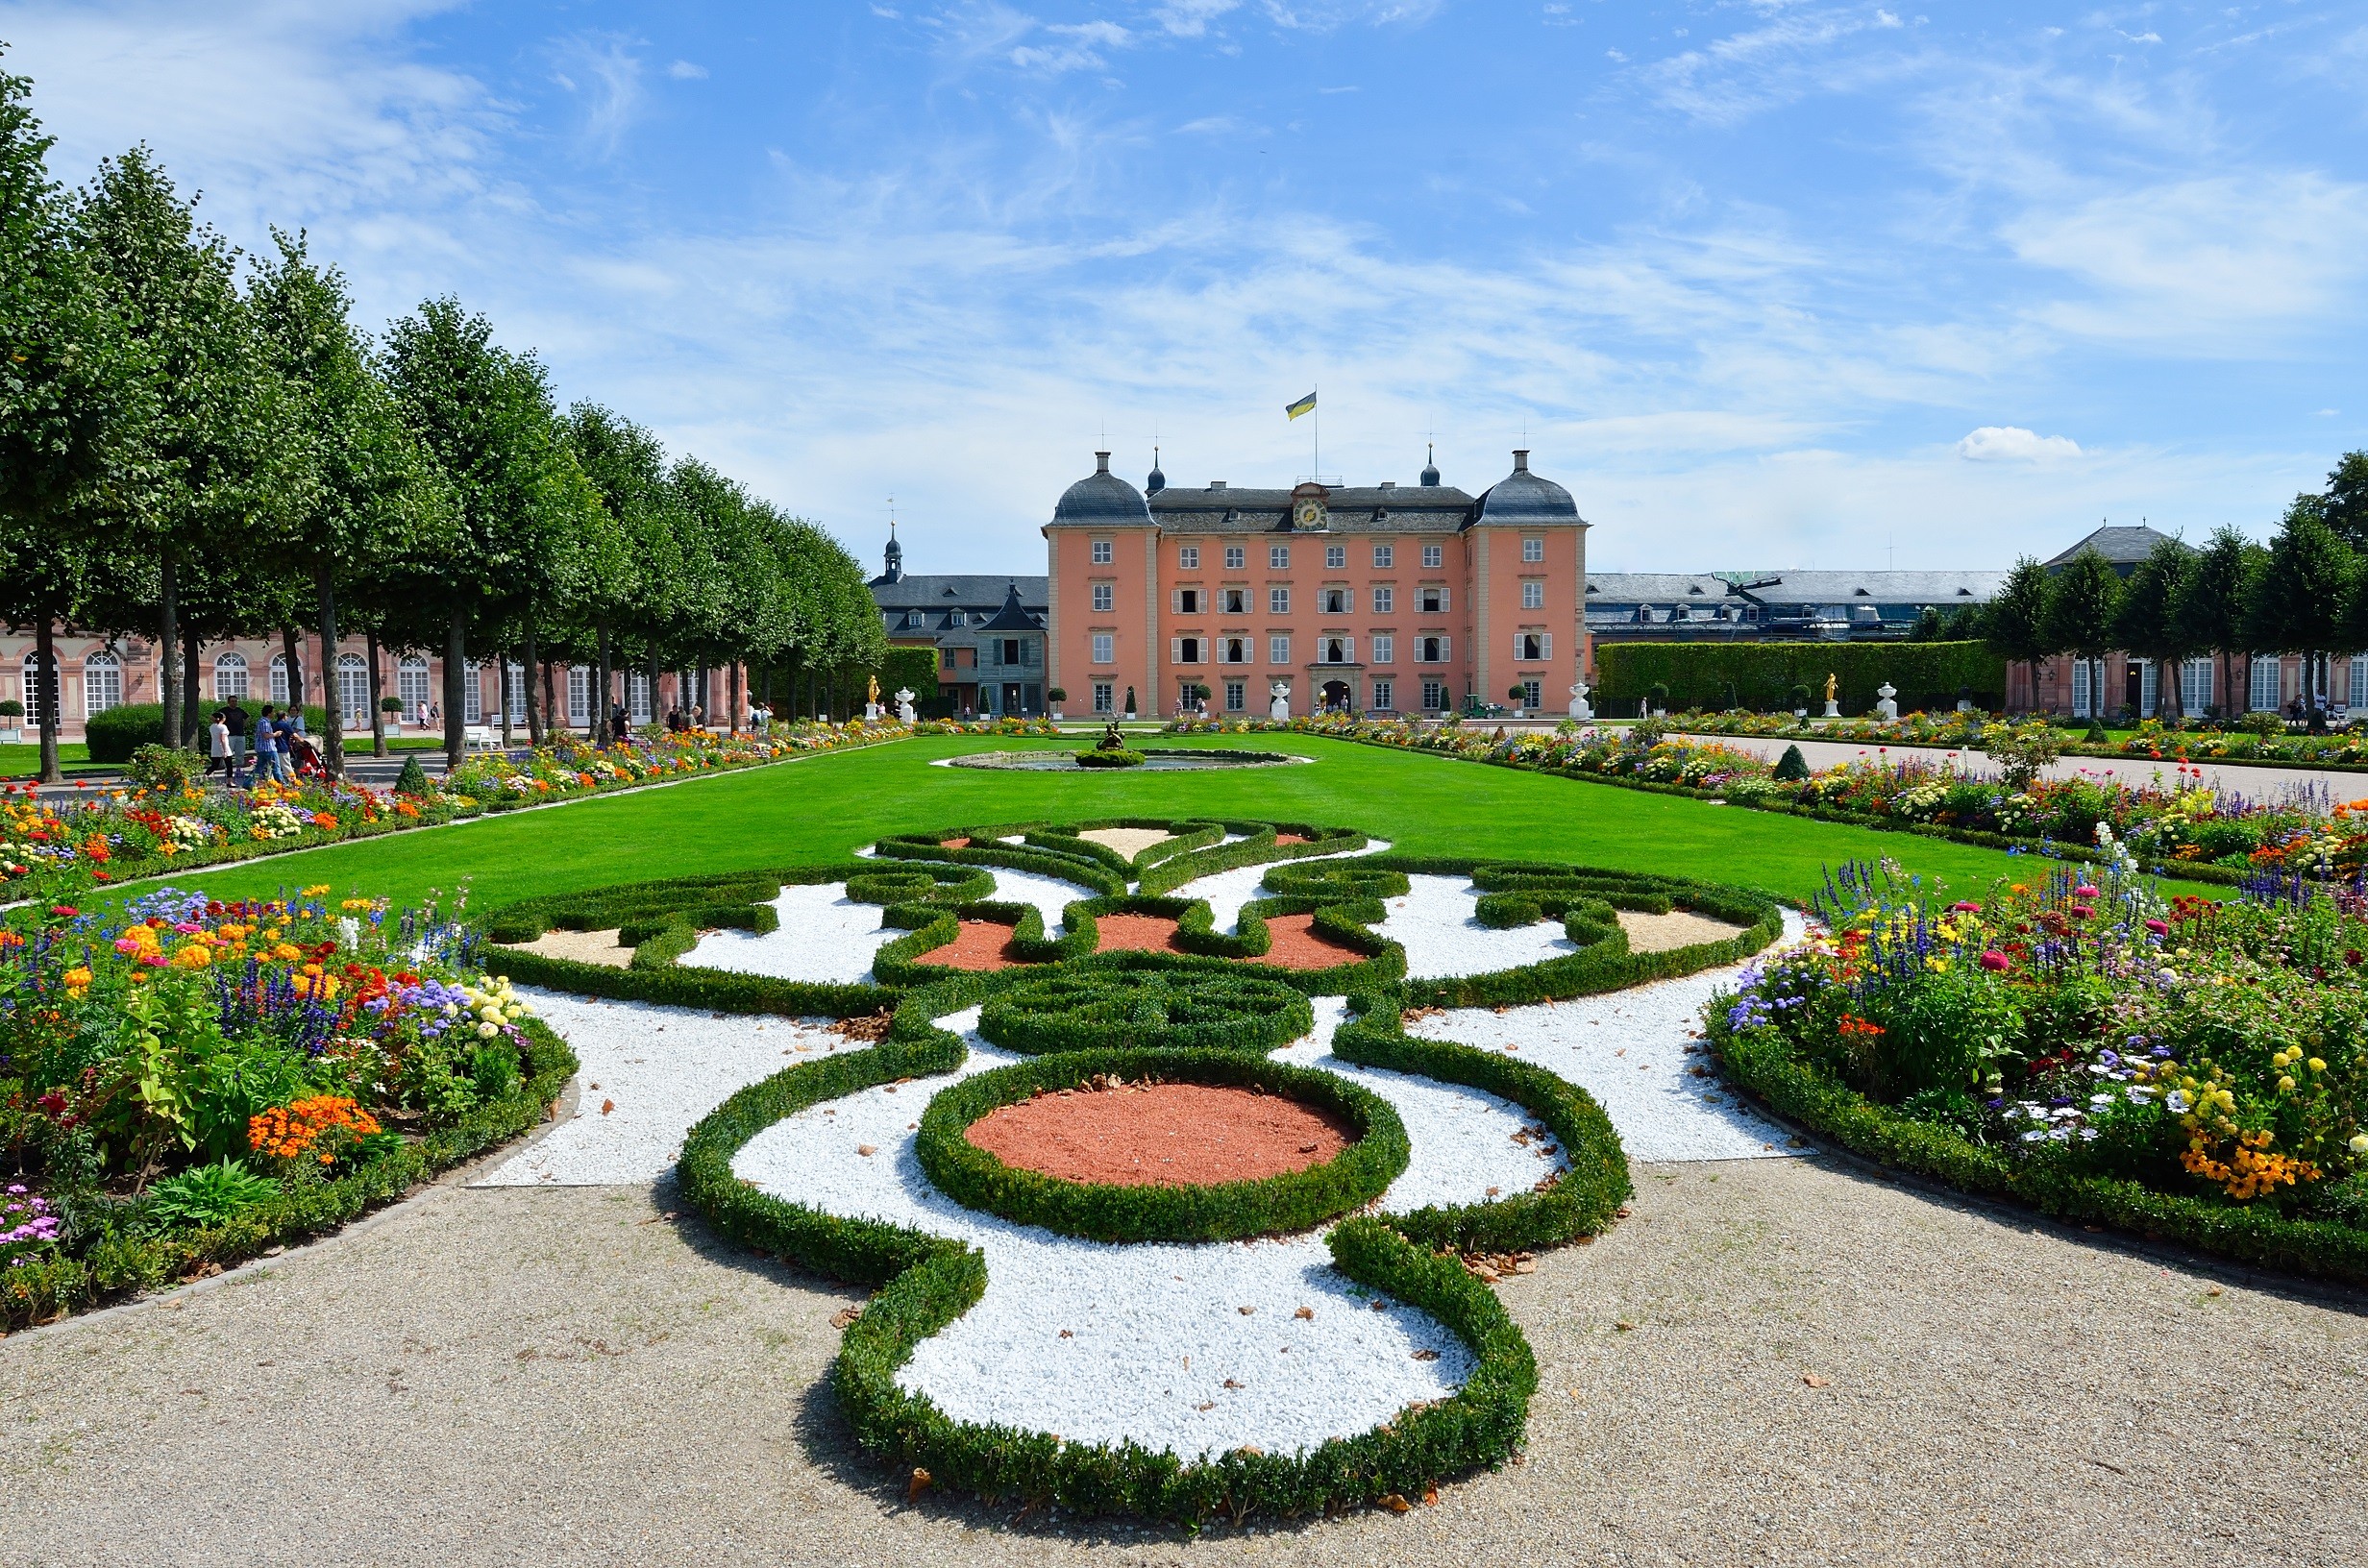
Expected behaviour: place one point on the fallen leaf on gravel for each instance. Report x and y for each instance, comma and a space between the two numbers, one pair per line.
866, 1148
1066, 1335
2213, 1291
655, 1218
1430, 1495
1381, 1306
1390, 1500
1305, 1312
608, 1106
1621, 1213
1210, 1406
845, 1315
1245, 1310
1623, 1325
1230, 1383
2108, 1465
1251, 1449
1812, 1380
919, 1484
1426, 1355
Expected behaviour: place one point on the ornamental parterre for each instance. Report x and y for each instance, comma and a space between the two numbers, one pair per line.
2181, 1068
1110, 1348
189, 1082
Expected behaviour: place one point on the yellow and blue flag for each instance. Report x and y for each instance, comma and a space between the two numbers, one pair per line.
1305, 405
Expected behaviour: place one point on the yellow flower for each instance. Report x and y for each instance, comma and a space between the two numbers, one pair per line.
77, 979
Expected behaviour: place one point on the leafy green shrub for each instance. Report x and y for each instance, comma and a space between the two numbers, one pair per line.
2266, 725
413, 778
1791, 768
1099, 758
209, 1194
1153, 1011
1766, 675
154, 765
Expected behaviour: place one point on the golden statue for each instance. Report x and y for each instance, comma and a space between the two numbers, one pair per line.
875, 698
1829, 686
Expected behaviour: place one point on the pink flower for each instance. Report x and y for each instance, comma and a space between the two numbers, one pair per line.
126, 945
1993, 960
2081, 912
2158, 927
2084, 891
155, 960
1966, 906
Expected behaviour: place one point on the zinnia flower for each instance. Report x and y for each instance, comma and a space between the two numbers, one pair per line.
1993, 960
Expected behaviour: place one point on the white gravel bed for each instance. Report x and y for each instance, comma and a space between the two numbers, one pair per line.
1462, 1139
1630, 1050
824, 935
1049, 894
1105, 1343
1229, 891
657, 1070
1442, 935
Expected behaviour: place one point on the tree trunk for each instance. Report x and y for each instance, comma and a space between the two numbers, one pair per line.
47, 700
596, 728
731, 719
333, 703
292, 651
455, 654
658, 696
500, 680
551, 706
168, 638
378, 715
192, 650
525, 689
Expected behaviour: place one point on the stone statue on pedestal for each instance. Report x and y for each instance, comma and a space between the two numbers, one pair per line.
870, 706
1279, 710
1833, 709
904, 705
1578, 701
1886, 702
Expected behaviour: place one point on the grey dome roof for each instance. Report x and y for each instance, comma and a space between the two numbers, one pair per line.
1102, 497
1523, 496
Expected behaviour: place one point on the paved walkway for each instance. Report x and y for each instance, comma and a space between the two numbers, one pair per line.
500, 1375
2254, 782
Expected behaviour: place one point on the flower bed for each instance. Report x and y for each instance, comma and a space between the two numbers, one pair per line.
2190, 1070
54, 850
191, 1082
1080, 1014
2187, 830
2152, 740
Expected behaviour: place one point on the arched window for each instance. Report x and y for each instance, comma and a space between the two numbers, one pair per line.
473, 695
580, 707
412, 686
514, 691
354, 690
637, 696
101, 683
229, 676
279, 681
41, 696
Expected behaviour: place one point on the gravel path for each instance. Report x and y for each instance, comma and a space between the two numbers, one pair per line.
2256, 782
567, 1377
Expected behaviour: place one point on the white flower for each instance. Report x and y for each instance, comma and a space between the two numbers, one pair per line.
486, 1031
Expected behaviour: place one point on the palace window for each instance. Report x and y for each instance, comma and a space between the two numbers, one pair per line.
1532, 595
1101, 696
1105, 598
1533, 550
1384, 648
1278, 556
411, 687
514, 691
637, 706
1336, 650
580, 708
1384, 694
1237, 696
1236, 558
1433, 695
354, 690
1233, 651
1431, 600
2266, 672
229, 676
41, 696
1105, 649
1188, 601
1185, 649
1335, 557
1278, 601
1335, 601
101, 683
1233, 600
472, 690
1385, 557
1532, 646
1434, 556
1188, 557
1532, 694
1385, 600
1278, 650
1104, 552
2195, 686
1430, 650
278, 679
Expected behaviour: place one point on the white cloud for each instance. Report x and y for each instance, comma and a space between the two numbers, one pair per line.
683, 70
2012, 444
1080, 47
605, 72
1191, 19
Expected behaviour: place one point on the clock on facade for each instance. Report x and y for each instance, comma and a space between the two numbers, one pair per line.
1308, 513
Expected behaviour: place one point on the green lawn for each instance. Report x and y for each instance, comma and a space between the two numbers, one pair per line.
25, 757
822, 808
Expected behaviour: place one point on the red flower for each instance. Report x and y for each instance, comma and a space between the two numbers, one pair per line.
1994, 960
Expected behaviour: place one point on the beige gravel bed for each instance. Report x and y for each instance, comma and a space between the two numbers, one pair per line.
1129, 841
559, 1377
583, 946
1678, 928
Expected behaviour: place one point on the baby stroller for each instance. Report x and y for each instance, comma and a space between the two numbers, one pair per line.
306, 757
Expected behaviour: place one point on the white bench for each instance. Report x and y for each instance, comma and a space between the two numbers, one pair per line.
481, 738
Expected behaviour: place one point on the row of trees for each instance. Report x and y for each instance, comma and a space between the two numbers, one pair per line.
2306, 592
195, 446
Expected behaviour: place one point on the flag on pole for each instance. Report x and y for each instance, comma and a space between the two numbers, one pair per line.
1305, 405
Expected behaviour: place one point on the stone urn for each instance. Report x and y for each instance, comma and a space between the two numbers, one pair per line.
1279, 709
1578, 701
1886, 702
905, 706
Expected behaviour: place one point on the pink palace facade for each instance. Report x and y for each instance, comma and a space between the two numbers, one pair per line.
1383, 598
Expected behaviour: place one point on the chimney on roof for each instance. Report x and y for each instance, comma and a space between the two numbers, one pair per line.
1389, 485
1217, 484
1101, 462
1521, 460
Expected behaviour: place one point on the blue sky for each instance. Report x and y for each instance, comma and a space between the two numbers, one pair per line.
1765, 284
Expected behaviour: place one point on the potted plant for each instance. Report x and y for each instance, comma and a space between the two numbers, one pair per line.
11, 715
1659, 695
1056, 696
1516, 693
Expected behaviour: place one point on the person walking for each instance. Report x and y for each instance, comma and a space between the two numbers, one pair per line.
218, 752
265, 746
236, 717
618, 724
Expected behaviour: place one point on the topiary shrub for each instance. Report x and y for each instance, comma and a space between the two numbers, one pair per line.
2095, 734
1658, 695
1793, 767
414, 779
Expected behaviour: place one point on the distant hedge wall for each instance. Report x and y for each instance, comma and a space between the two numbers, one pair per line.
1762, 676
911, 668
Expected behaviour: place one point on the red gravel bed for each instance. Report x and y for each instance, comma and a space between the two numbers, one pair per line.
980, 945
1292, 838
1136, 934
1294, 944
954, 844
1160, 1135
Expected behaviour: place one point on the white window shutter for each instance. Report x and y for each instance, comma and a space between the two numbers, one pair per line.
1546, 645
1176, 650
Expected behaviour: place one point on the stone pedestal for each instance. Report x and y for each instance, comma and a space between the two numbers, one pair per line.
1886, 702
905, 706
870, 713
1833, 709
1578, 701
1279, 709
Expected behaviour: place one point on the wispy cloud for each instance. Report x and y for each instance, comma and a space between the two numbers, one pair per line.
604, 72
2012, 444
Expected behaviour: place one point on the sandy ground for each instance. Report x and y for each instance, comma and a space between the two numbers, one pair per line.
582, 947
1129, 841
1667, 933
497, 1376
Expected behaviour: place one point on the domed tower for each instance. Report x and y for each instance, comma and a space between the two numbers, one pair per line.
895, 557
1430, 464
1155, 481
1102, 572
1527, 546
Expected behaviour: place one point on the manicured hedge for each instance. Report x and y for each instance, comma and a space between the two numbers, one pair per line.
1220, 1212
1120, 758
1103, 1009
131, 1264
1761, 1061
1762, 676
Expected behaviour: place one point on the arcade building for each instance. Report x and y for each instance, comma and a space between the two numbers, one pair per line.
1382, 598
